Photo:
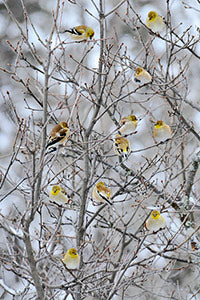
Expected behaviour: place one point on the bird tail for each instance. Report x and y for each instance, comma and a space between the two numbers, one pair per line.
67, 30
50, 150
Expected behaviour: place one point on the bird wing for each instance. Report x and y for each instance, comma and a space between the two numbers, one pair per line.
76, 31
104, 197
137, 80
58, 138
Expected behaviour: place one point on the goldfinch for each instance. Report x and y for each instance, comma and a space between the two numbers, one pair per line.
121, 146
129, 124
155, 222
161, 131
101, 193
142, 76
58, 195
71, 259
58, 135
80, 33
155, 22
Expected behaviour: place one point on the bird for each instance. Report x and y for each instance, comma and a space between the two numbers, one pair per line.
155, 222
101, 193
58, 135
155, 22
71, 259
142, 76
80, 33
121, 146
161, 131
58, 194
129, 124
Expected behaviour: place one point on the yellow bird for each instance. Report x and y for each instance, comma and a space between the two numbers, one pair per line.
129, 124
121, 146
80, 33
58, 194
155, 22
161, 131
142, 76
71, 259
101, 193
155, 222
58, 135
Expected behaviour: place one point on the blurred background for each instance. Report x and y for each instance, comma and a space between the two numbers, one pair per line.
46, 78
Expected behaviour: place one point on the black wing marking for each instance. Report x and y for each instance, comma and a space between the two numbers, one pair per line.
73, 31
57, 139
137, 80
104, 198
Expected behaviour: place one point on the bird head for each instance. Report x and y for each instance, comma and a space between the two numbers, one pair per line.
122, 141
55, 190
89, 33
132, 118
117, 136
64, 125
159, 124
155, 214
138, 70
72, 252
152, 15
100, 183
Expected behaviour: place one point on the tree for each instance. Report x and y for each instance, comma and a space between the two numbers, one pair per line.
50, 78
